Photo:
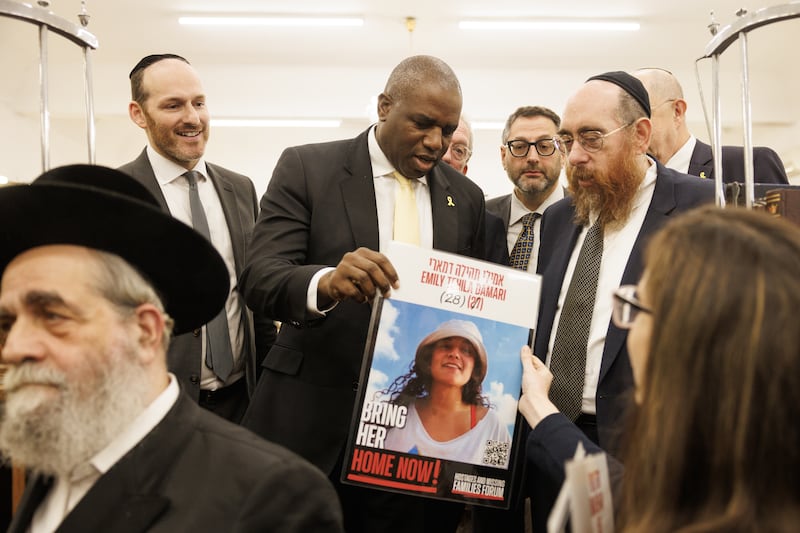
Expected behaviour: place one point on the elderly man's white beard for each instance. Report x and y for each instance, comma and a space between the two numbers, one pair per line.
53, 431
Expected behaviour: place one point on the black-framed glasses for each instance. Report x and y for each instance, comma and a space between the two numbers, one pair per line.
460, 152
626, 307
592, 141
520, 148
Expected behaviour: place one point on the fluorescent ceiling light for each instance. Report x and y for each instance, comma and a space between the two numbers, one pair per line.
275, 123
272, 21
567, 25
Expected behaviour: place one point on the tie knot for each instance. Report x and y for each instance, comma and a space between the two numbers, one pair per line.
529, 219
404, 182
192, 176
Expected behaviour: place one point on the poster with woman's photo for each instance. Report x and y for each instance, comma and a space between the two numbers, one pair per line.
436, 414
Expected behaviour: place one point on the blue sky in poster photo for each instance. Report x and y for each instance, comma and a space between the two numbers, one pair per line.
403, 325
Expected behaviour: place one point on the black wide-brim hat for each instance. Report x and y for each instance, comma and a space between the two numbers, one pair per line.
104, 209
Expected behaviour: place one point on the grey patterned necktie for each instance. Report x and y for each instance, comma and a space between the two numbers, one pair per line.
523, 248
568, 360
219, 356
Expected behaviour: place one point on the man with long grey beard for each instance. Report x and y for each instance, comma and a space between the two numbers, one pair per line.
93, 285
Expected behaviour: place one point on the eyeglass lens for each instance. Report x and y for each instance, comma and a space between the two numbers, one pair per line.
520, 148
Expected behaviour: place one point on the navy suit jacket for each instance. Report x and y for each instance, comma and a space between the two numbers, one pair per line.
674, 193
197, 472
767, 165
319, 205
240, 205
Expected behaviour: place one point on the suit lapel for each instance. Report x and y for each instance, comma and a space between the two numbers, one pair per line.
358, 195
113, 508
227, 197
444, 211
553, 276
142, 171
506, 211
662, 204
127, 498
702, 161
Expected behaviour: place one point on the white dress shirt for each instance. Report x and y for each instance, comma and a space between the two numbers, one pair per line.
176, 191
518, 210
617, 246
680, 160
65, 494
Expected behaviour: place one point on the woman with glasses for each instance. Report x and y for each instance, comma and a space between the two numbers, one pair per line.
714, 441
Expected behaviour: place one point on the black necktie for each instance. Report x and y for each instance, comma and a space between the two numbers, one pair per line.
219, 356
521, 253
568, 360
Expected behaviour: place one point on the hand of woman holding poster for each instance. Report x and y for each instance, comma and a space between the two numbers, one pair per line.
535, 404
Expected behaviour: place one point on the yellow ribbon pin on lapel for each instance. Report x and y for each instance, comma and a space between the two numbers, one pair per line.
450, 202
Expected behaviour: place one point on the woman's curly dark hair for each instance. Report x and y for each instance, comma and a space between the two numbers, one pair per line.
416, 383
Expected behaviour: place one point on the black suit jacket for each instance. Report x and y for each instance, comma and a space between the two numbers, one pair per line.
496, 243
319, 205
240, 205
500, 207
674, 193
197, 472
767, 165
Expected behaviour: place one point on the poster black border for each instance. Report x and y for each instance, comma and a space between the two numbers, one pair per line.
447, 469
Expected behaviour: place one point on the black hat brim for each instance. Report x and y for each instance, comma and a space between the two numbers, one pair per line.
182, 265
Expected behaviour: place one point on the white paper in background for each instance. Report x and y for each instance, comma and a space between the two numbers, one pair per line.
469, 286
557, 521
589, 494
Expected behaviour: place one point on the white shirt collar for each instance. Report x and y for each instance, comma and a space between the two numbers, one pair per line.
518, 209
138, 429
166, 170
380, 163
67, 492
680, 160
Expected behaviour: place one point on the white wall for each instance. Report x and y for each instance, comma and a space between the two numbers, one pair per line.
275, 91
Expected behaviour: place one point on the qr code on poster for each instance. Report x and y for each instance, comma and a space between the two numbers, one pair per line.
496, 453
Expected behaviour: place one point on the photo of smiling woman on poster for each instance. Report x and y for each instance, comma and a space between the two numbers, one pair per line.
448, 415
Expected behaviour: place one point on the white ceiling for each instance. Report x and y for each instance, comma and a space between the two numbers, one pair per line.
265, 72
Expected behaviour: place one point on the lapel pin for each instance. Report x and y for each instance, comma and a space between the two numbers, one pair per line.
703, 175
450, 201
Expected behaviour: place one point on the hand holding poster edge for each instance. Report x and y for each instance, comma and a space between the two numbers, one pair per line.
368, 462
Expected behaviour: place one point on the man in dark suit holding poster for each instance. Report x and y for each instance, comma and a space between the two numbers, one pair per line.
315, 263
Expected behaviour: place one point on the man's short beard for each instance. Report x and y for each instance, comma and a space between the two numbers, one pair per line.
612, 194
53, 432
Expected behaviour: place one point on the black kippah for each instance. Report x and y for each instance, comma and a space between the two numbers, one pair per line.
629, 84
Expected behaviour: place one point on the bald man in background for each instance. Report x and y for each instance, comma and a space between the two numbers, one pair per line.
676, 148
457, 156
